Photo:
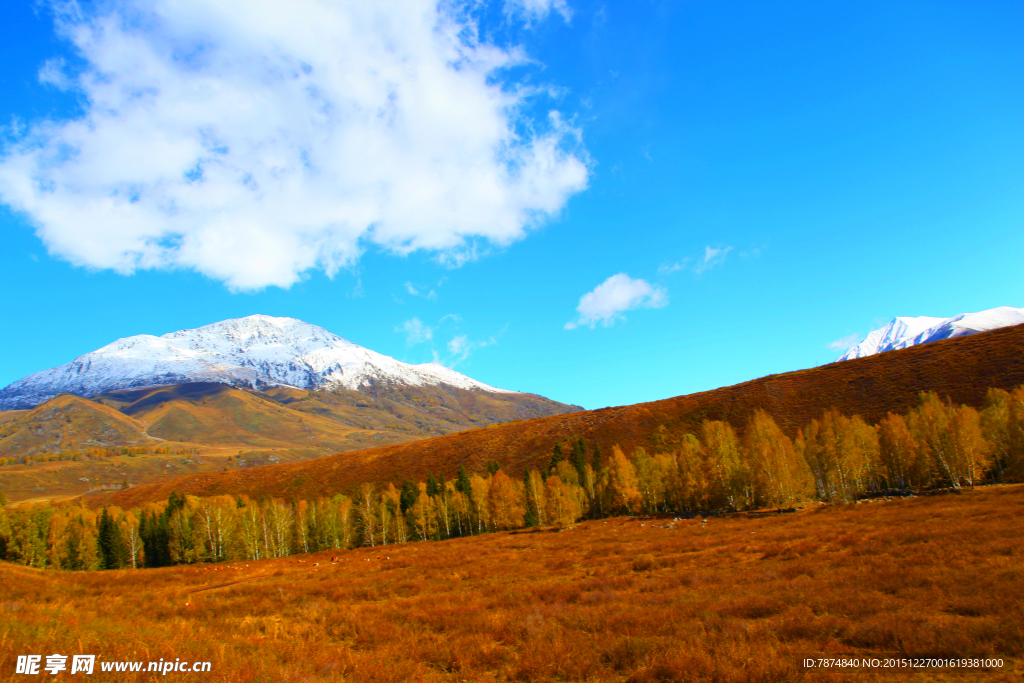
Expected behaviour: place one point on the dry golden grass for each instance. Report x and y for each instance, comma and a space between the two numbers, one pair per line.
67, 423
962, 369
737, 599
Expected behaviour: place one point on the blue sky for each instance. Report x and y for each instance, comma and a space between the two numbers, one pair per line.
603, 203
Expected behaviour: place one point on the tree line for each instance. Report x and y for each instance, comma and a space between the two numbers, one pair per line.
94, 454
834, 459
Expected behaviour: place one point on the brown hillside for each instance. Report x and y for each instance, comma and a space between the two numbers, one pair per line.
216, 414
68, 422
206, 427
8, 415
961, 369
418, 411
207, 412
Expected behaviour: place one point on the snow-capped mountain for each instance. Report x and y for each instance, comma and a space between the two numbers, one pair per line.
903, 332
256, 351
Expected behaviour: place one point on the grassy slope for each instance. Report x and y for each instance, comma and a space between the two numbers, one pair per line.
959, 368
419, 411
230, 429
218, 414
737, 600
68, 423
219, 428
8, 415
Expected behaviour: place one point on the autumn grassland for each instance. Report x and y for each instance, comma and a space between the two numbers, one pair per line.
737, 598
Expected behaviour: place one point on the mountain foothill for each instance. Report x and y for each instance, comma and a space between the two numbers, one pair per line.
233, 395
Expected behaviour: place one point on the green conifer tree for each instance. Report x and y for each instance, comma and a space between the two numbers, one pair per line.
462, 483
556, 457
532, 518
410, 492
578, 458
105, 540
176, 501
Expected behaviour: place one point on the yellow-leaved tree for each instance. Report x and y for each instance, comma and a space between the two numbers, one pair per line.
623, 489
564, 501
729, 475
898, 454
971, 451
506, 500
779, 476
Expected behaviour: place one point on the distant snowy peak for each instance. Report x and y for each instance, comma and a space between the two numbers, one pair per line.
255, 351
904, 332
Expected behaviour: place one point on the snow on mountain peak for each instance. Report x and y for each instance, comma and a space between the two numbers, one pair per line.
903, 332
255, 351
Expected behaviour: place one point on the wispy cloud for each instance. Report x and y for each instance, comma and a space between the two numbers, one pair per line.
619, 293
430, 294
416, 332
52, 73
535, 10
255, 146
457, 350
461, 346
669, 268
754, 251
844, 343
712, 257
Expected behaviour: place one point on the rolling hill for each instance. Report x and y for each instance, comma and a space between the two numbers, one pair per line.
68, 423
71, 445
240, 393
960, 368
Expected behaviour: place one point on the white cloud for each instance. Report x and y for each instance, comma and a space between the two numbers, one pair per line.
613, 296
458, 344
713, 256
415, 331
461, 346
535, 10
419, 291
754, 251
252, 146
847, 342
52, 73
669, 268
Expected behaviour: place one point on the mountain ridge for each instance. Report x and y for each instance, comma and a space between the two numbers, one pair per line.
256, 351
904, 332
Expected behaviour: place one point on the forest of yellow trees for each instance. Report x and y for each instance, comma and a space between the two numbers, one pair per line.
834, 459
